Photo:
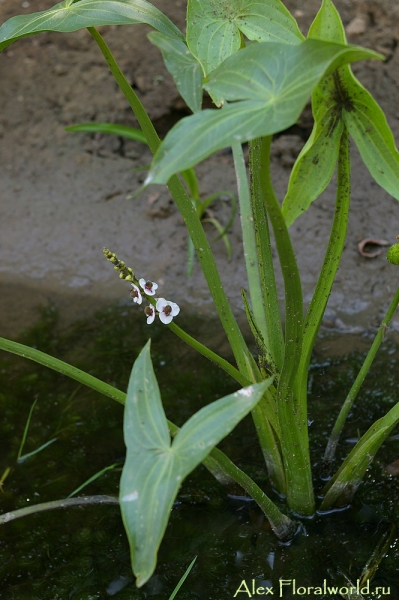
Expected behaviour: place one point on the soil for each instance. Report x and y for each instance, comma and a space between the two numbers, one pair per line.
64, 196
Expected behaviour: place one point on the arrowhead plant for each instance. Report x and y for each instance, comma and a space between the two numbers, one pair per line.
260, 71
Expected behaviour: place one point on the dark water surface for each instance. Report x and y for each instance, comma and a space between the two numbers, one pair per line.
82, 553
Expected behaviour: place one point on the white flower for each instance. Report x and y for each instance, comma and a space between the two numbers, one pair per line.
167, 310
150, 314
148, 286
135, 294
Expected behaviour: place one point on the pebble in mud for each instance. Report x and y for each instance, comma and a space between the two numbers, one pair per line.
332, 322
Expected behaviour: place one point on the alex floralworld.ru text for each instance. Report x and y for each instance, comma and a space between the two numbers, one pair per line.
291, 586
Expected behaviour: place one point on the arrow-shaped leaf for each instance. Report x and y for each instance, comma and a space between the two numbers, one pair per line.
71, 16
184, 68
315, 164
340, 98
274, 82
155, 468
214, 27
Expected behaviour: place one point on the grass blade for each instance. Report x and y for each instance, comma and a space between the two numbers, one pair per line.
111, 129
91, 479
183, 579
25, 433
42, 447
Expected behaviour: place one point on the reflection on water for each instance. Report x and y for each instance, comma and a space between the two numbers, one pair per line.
82, 553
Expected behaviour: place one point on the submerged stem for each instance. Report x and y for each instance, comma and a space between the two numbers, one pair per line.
53, 504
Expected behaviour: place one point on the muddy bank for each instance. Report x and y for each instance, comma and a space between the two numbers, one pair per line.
64, 196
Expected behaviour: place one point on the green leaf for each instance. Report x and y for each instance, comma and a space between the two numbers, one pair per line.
155, 468
327, 25
70, 16
314, 166
112, 129
274, 82
184, 68
342, 487
334, 102
281, 74
214, 27
372, 135
218, 463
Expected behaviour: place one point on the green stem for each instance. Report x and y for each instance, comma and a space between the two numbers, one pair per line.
331, 262
292, 415
261, 412
226, 472
189, 214
275, 338
248, 238
341, 488
289, 268
212, 356
63, 368
347, 405
283, 526
52, 505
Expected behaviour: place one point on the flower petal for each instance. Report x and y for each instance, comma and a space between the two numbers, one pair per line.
175, 308
151, 317
165, 318
161, 303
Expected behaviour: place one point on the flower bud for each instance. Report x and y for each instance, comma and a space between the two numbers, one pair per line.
393, 254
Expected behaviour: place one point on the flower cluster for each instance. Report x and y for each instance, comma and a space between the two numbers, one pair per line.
164, 308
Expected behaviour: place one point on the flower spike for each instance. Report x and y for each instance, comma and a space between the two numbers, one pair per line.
165, 308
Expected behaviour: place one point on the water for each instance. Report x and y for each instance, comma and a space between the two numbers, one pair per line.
82, 553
